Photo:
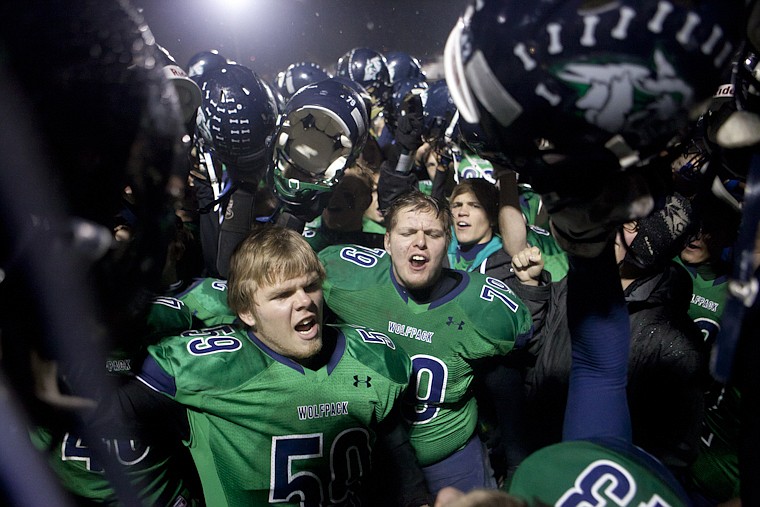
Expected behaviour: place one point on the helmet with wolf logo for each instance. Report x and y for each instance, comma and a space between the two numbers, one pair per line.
576, 74
370, 69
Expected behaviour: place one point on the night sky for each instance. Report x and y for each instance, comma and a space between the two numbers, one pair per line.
268, 35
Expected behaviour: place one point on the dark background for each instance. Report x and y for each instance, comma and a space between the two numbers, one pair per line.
268, 35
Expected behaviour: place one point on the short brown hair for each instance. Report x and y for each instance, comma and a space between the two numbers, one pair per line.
267, 256
419, 201
485, 192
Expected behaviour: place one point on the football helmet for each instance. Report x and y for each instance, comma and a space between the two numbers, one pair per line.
321, 131
187, 90
440, 114
236, 120
401, 90
363, 93
203, 62
295, 77
402, 66
368, 68
573, 75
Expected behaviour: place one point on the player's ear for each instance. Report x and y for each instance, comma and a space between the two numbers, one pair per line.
248, 318
387, 242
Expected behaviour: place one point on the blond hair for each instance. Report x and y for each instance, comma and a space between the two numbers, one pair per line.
267, 256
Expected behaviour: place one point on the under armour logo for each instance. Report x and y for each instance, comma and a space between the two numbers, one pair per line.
451, 321
365, 381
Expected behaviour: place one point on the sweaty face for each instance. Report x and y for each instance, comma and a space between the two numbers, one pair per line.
417, 244
287, 317
471, 224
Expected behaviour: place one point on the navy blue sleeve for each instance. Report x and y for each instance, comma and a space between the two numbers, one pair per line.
597, 405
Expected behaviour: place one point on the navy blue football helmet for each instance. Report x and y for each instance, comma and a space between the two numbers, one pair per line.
572, 75
363, 93
368, 68
403, 66
295, 77
236, 120
439, 114
202, 62
321, 131
401, 91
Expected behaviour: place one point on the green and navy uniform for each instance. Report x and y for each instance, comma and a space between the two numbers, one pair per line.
206, 299
480, 318
714, 476
709, 289
587, 472
154, 469
319, 237
264, 429
555, 259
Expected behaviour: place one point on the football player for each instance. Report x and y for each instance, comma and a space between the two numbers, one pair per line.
456, 326
581, 97
282, 408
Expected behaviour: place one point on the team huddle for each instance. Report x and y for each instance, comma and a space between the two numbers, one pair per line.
509, 284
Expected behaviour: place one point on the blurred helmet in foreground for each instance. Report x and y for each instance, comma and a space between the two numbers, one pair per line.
573, 76
109, 123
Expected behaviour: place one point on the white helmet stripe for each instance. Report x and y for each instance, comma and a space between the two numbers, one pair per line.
455, 78
487, 88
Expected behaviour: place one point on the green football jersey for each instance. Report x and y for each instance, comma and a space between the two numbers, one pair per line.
555, 259
531, 205
708, 298
583, 473
154, 469
206, 299
481, 318
265, 429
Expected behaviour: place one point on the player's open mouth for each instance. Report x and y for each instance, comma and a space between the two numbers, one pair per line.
306, 326
462, 224
417, 261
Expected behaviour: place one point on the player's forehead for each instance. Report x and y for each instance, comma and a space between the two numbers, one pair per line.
411, 218
466, 196
281, 281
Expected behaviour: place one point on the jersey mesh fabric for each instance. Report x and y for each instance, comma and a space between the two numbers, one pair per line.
206, 299
588, 473
264, 429
480, 319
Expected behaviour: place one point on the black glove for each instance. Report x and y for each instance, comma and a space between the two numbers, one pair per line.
393, 184
409, 124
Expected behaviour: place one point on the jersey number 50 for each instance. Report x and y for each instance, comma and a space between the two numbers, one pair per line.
349, 455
